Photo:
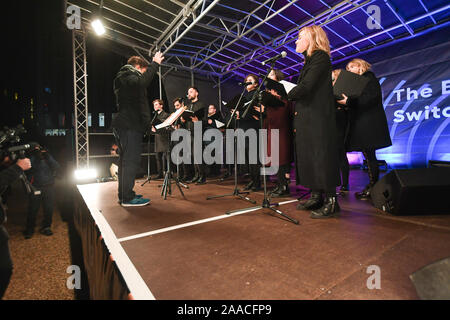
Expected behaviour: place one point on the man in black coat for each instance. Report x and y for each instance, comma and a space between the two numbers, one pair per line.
132, 120
368, 123
201, 113
42, 177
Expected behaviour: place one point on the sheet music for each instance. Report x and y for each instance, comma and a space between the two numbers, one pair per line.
288, 86
171, 119
219, 124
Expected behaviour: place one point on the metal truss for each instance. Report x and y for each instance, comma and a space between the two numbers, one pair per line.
202, 40
179, 27
341, 9
80, 99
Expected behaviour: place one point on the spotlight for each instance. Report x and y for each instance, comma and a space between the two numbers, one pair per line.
85, 174
98, 26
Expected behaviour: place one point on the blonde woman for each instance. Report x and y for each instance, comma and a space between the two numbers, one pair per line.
368, 124
316, 157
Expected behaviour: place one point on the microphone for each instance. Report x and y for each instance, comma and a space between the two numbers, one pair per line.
278, 56
244, 84
154, 118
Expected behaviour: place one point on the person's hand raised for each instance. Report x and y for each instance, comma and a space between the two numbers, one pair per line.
158, 57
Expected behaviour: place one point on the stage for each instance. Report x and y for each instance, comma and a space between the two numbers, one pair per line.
189, 248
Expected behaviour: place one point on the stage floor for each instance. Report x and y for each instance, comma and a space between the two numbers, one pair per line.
190, 249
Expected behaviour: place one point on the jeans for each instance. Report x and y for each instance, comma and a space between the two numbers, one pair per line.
47, 199
129, 142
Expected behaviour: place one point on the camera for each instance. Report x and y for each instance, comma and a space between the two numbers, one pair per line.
10, 146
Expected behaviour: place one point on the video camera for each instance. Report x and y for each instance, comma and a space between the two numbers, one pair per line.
11, 149
10, 144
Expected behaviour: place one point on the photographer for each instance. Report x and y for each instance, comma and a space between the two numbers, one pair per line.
42, 177
8, 176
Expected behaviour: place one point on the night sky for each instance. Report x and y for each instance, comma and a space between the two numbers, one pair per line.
39, 67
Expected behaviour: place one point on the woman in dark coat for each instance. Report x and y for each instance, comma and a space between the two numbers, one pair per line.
316, 157
368, 124
342, 125
280, 118
161, 139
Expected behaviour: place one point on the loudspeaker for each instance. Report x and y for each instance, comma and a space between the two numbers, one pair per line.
433, 281
424, 191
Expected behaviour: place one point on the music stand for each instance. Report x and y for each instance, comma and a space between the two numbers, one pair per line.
167, 184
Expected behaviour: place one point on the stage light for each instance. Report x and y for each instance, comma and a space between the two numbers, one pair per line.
98, 27
85, 174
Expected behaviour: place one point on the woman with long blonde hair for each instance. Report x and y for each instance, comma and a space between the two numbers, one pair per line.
316, 156
368, 123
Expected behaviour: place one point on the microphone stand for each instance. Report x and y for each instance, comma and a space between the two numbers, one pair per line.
236, 192
266, 201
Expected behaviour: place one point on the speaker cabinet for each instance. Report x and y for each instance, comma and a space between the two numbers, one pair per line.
424, 191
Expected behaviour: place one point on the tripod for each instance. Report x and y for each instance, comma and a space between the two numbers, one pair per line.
266, 201
236, 192
167, 184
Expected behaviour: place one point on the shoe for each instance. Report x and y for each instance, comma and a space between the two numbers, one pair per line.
201, 180
28, 234
136, 202
283, 191
193, 180
159, 176
313, 203
226, 175
365, 194
248, 186
256, 187
185, 179
136, 196
329, 209
46, 231
344, 188
275, 190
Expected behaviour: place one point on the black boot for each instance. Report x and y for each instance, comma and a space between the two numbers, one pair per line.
194, 179
275, 190
329, 209
282, 191
256, 186
314, 202
158, 176
201, 180
364, 194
